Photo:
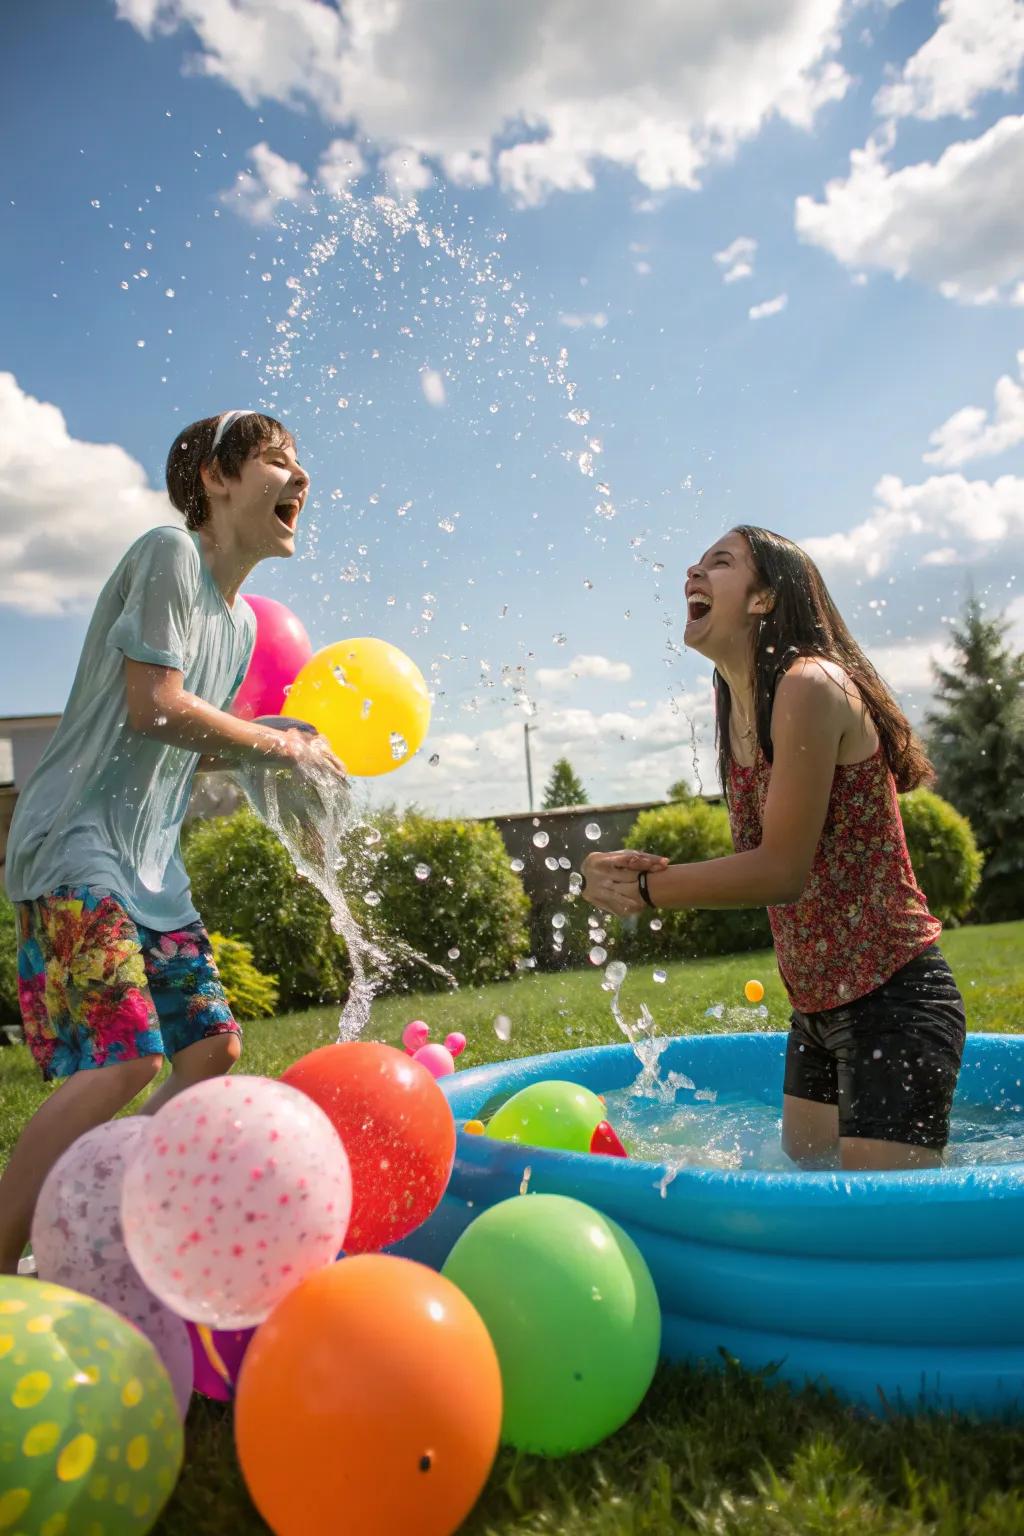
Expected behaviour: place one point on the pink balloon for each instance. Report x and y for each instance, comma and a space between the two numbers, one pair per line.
436, 1058
77, 1241
231, 1348
281, 651
414, 1036
239, 1190
455, 1042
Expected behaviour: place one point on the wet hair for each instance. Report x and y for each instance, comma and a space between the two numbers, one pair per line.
193, 448
804, 621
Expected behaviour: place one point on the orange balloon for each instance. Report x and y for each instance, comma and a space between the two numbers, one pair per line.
396, 1127
369, 1401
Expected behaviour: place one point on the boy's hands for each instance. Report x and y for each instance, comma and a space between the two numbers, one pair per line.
611, 880
304, 750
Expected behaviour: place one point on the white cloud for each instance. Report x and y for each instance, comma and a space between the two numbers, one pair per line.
68, 509
257, 194
660, 90
907, 666
977, 47
737, 259
769, 307
341, 164
956, 224
432, 385
598, 320
597, 667
985, 516
971, 433
407, 172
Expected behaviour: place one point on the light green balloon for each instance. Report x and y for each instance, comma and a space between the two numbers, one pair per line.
89, 1431
553, 1114
571, 1307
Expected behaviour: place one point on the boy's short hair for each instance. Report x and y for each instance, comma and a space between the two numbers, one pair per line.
193, 448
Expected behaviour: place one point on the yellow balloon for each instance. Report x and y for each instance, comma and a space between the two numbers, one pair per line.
753, 991
368, 699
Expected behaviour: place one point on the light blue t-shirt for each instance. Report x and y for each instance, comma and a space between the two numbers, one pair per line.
105, 805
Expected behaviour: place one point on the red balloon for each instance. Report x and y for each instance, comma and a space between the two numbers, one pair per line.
281, 651
396, 1127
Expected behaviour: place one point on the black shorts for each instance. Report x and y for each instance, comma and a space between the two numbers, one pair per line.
889, 1060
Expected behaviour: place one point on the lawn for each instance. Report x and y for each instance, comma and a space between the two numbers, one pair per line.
719, 1454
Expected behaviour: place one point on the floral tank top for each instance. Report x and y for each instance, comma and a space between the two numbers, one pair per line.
862, 915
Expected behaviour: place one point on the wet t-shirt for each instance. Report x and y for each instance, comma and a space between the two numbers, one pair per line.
105, 805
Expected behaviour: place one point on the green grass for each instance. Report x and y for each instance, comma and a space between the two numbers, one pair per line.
709, 1453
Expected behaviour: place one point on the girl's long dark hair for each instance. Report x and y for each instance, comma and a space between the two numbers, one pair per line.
804, 621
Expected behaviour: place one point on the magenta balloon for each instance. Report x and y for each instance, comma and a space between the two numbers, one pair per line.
231, 1348
78, 1241
436, 1058
281, 651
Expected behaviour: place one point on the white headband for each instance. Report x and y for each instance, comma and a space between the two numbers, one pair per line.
225, 424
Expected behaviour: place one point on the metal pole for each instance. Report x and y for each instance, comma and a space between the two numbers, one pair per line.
529, 771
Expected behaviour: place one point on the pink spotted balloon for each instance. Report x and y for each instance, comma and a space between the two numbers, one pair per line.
240, 1189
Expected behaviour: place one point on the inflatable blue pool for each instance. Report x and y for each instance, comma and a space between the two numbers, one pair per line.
898, 1290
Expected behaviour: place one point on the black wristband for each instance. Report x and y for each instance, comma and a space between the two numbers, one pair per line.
641, 881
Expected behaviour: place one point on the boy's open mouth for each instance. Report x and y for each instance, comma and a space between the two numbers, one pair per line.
287, 512
698, 605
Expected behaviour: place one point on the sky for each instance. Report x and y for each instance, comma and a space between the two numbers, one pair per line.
551, 295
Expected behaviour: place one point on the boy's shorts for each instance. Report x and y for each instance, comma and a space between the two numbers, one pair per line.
97, 988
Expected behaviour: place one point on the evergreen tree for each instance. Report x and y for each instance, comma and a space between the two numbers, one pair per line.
976, 741
679, 790
563, 787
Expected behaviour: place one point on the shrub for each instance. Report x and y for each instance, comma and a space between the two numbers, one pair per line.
943, 852
9, 1011
687, 832
252, 994
244, 884
471, 900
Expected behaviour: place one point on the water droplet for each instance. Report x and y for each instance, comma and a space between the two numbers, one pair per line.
559, 639
422, 871
372, 836
558, 921
454, 953
656, 924
434, 759
399, 746
95, 202
168, 293
615, 972
541, 839
265, 277
597, 955
342, 402
550, 862
660, 976
372, 898
575, 884
503, 1027
563, 862
517, 866
592, 831
597, 934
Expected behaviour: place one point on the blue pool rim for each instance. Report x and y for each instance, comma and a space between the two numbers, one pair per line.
897, 1290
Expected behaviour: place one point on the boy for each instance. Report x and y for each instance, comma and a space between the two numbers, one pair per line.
115, 970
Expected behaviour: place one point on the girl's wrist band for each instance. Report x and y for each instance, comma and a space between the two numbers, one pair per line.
641, 881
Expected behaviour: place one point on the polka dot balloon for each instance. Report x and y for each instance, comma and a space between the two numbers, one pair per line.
90, 1440
240, 1188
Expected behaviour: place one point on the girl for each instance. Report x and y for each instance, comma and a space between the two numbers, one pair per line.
115, 970
812, 749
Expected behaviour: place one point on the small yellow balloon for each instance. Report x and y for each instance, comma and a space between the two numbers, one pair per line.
753, 991
474, 1128
368, 699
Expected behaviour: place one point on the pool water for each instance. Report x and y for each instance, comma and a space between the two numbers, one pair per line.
685, 1126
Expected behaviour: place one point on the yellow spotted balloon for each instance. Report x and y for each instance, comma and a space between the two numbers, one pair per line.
368, 699
90, 1439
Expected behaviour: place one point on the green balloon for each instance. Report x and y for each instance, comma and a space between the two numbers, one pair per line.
571, 1307
553, 1114
90, 1438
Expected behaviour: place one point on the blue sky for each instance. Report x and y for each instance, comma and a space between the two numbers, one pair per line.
865, 157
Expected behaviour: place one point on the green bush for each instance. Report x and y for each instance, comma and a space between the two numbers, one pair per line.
244, 884
252, 994
470, 901
9, 1011
688, 832
943, 852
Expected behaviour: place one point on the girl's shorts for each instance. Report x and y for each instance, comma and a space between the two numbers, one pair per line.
889, 1060
97, 988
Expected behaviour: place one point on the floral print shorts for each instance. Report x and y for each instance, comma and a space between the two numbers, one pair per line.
96, 988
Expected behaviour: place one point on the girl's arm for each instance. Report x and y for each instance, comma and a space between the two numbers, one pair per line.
808, 720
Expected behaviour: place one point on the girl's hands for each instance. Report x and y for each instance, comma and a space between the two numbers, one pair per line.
611, 880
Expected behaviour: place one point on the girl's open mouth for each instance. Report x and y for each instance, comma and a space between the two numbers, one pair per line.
698, 606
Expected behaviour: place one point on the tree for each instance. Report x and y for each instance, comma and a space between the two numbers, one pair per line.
679, 790
976, 741
563, 787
